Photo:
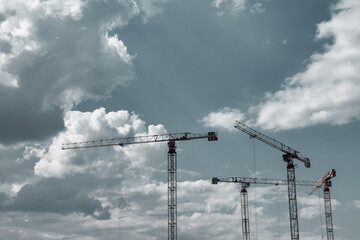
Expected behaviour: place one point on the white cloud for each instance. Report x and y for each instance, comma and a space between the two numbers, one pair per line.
151, 7
328, 91
355, 204
312, 206
86, 126
55, 54
257, 8
223, 118
233, 6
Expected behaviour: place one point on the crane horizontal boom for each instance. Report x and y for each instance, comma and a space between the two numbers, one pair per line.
272, 142
259, 181
211, 136
329, 175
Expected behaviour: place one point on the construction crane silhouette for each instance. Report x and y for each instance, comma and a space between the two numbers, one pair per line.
245, 183
288, 156
171, 138
325, 180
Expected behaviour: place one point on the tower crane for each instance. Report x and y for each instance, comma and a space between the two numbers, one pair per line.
325, 180
245, 183
171, 140
288, 156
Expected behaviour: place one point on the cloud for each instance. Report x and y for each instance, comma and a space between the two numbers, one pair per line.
87, 182
86, 126
233, 6
355, 204
151, 8
257, 8
55, 54
62, 196
223, 118
327, 91
313, 206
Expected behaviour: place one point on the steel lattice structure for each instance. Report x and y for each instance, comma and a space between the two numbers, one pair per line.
294, 225
245, 212
171, 138
172, 193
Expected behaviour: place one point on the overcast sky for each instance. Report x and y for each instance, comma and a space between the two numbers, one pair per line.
77, 70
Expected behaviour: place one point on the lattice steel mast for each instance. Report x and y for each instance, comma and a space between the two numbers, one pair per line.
171, 138
288, 157
325, 180
245, 183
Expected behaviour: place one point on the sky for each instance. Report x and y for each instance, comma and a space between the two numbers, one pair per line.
79, 70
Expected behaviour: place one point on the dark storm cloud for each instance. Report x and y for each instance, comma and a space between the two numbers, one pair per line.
63, 196
62, 61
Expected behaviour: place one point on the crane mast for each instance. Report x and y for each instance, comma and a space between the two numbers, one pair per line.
288, 156
325, 180
171, 138
245, 183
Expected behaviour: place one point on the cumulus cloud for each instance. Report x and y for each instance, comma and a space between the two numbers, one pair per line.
98, 183
327, 91
86, 126
58, 54
55, 54
223, 118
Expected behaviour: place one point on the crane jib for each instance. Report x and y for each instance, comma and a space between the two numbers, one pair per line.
272, 142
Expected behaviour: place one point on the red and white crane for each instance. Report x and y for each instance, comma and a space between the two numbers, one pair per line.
245, 183
288, 156
171, 138
325, 181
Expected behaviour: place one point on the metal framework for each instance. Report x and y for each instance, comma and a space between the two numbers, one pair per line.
245, 183
245, 211
172, 193
269, 181
294, 225
288, 157
325, 180
171, 138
